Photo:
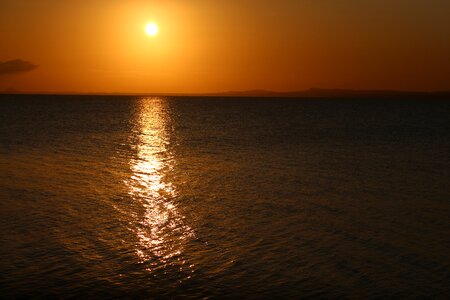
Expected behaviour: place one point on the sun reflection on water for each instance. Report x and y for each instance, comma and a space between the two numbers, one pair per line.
160, 229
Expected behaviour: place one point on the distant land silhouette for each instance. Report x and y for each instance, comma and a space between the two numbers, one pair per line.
336, 93
309, 93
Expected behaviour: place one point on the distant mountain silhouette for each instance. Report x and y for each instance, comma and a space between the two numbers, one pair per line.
10, 91
334, 93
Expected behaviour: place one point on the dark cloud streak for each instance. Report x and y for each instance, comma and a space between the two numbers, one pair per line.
16, 66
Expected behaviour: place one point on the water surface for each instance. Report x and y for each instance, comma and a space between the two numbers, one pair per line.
224, 197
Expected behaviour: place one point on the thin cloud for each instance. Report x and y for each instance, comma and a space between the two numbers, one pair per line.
16, 66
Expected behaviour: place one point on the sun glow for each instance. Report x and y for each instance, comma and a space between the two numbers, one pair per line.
151, 29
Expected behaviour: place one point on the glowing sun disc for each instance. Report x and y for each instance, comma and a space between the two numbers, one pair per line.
151, 29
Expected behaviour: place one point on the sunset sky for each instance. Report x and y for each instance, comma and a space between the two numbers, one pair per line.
213, 46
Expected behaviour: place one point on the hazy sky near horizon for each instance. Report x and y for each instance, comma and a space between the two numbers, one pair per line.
209, 46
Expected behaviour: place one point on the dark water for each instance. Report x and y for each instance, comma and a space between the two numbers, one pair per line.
206, 197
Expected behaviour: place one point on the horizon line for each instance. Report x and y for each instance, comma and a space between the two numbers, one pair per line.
311, 92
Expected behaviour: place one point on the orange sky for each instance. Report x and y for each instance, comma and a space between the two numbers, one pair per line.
213, 46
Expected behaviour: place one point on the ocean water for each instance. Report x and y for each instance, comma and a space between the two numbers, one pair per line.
185, 197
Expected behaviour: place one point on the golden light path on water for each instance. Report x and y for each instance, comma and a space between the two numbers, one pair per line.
161, 231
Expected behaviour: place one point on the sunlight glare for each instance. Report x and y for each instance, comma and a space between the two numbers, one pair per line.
151, 29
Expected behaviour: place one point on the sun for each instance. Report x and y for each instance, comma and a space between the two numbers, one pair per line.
151, 29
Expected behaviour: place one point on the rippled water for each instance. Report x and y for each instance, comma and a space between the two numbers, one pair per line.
206, 197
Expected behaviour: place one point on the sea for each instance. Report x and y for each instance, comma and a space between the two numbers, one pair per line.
224, 197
